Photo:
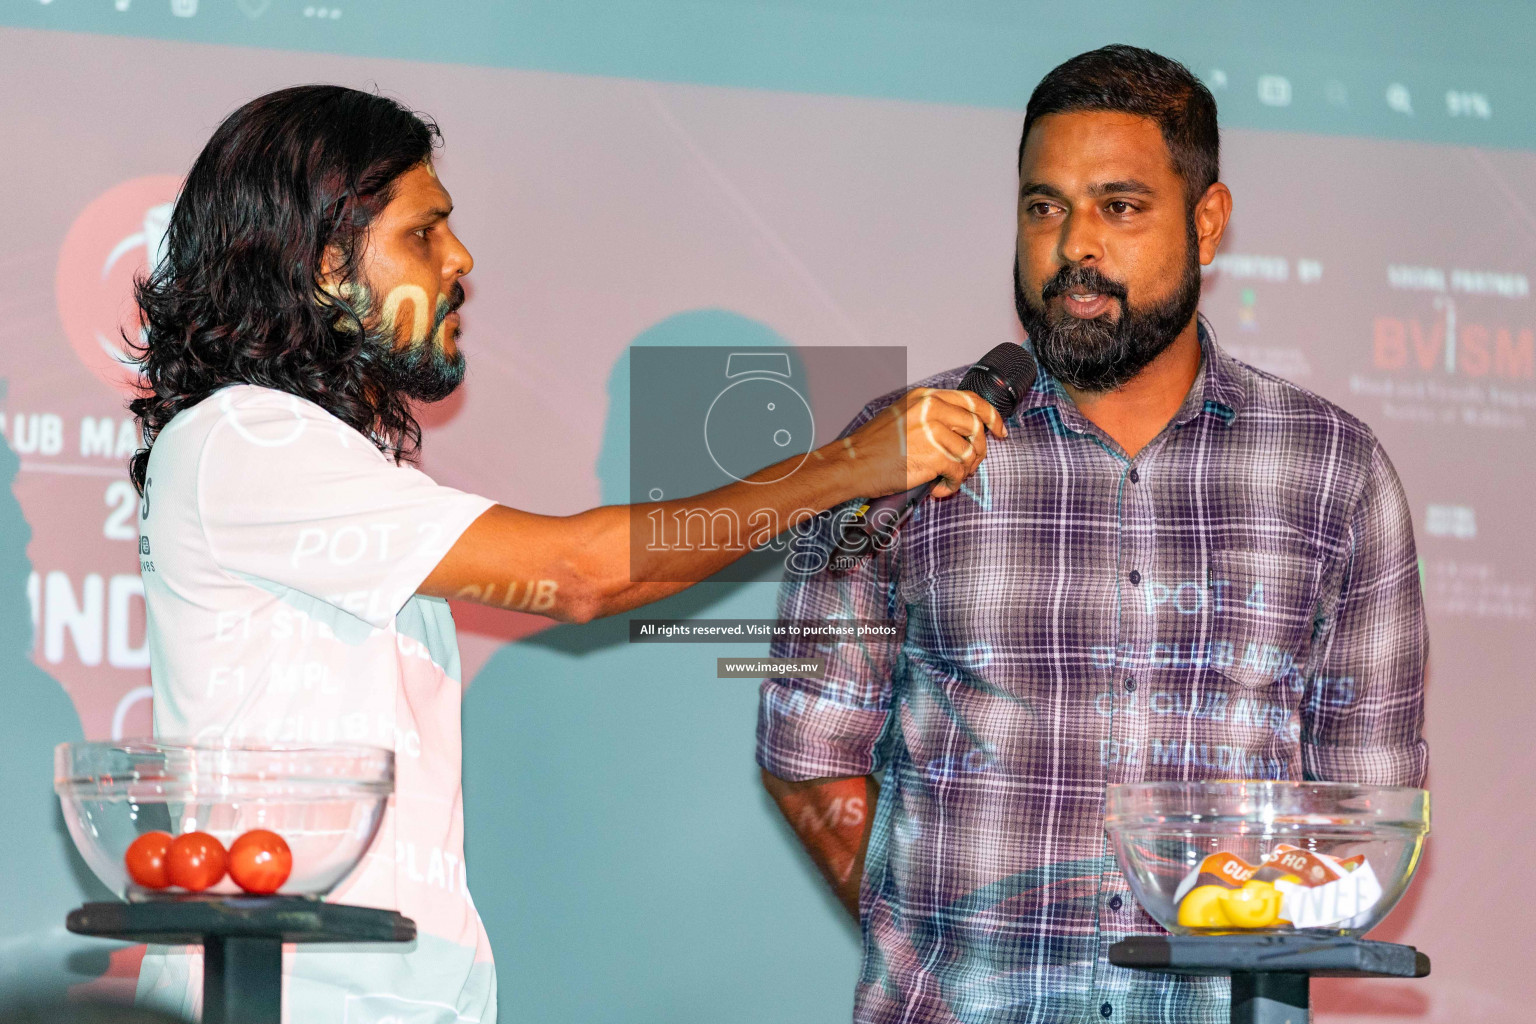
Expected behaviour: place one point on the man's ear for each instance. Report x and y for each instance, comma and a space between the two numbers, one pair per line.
331, 263
1212, 212
349, 296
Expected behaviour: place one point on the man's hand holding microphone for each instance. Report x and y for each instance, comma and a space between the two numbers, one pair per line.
607, 560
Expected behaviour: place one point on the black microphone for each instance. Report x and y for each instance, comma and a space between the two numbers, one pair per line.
1003, 377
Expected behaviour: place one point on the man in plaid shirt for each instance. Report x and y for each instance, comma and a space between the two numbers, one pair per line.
1173, 567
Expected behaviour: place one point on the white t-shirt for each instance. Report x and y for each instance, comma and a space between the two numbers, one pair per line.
281, 552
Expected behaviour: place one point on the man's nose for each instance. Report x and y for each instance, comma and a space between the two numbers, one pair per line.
1080, 240
460, 262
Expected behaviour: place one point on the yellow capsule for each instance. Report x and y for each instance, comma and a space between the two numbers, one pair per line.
1255, 905
1202, 907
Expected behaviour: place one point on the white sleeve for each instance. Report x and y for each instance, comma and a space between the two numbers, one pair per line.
289, 494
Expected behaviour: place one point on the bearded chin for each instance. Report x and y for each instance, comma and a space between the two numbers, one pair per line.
1102, 354
421, 371
424, 373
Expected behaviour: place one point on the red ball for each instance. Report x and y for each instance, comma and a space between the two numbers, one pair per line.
260, 861
196, 861
146, 860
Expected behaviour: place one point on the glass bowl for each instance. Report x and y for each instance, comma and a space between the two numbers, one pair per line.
325, 802
1263, 857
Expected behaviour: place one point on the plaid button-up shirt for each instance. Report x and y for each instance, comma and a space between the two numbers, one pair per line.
1240, 600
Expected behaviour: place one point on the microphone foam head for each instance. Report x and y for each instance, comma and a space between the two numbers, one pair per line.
1003, 377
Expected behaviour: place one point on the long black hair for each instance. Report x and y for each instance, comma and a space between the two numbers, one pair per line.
238, 297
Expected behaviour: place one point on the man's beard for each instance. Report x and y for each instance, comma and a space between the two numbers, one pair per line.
423, 371
1102, 355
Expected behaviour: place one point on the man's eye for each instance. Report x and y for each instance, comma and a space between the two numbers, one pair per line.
1040, 209
1120, 207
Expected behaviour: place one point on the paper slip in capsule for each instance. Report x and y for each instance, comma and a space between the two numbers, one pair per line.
1331, 903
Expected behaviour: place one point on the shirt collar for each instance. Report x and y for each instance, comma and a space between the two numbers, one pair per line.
1218, 391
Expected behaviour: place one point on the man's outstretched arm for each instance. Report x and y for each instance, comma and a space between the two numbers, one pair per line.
832, 819
577, 568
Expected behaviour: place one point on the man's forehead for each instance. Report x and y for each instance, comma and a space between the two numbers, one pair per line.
419, 191
1083, 148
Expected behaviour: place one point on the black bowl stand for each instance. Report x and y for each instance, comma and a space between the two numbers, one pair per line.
242, 939
1271, 974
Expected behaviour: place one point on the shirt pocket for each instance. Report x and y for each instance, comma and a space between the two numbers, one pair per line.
1263, 615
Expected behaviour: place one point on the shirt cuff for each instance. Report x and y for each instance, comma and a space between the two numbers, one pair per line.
802, 735
1404, 765
451, 519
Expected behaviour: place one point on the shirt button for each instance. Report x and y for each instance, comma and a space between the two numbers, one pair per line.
1135, 577
1115, 903
1106, 1011
1135, 476
1130, 686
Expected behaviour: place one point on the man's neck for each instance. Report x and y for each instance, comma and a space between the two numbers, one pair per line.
1139, 410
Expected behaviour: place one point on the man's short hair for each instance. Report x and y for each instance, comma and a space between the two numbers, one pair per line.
1131, 80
